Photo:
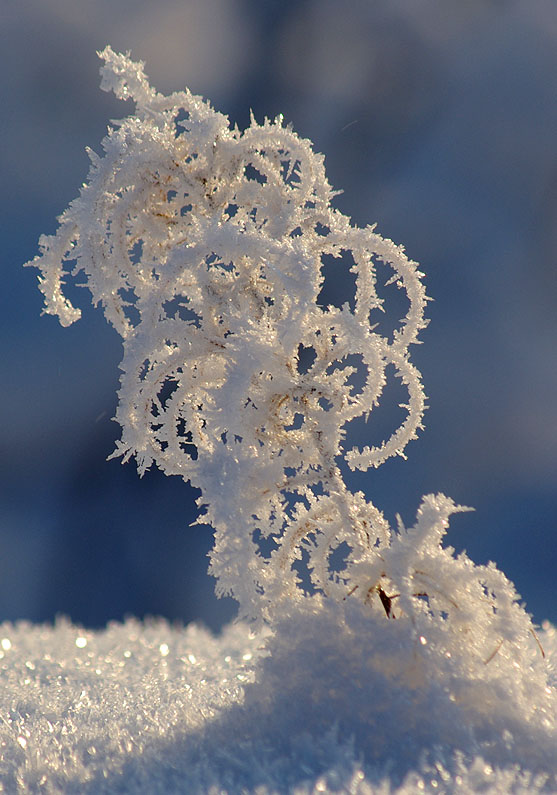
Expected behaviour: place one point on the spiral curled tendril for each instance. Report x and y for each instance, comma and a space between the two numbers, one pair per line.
212, 253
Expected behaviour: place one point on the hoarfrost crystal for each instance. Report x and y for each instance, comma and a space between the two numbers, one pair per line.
206, 248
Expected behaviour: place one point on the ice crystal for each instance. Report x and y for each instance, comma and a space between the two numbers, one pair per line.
207, 248
402, 668
149, 708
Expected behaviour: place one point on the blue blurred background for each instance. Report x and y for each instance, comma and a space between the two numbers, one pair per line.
438, 119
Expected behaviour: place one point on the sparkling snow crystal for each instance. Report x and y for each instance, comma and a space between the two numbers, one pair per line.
158, 710
384, 662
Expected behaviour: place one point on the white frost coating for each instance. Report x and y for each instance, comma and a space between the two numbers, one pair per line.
206, 248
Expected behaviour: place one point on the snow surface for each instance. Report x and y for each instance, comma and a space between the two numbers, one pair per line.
154, 708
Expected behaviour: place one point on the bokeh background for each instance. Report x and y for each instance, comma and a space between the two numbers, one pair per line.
438, 119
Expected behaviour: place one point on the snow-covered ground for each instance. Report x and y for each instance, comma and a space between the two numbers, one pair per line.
151, 708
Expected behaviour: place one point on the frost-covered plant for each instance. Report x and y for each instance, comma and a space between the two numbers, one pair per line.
207, 249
